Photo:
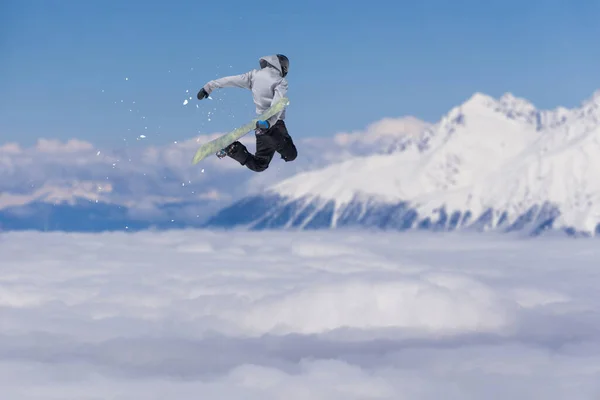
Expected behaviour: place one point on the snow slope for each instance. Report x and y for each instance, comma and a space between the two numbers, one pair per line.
499, 163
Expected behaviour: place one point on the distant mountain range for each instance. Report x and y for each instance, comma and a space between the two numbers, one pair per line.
488, 165
75, 186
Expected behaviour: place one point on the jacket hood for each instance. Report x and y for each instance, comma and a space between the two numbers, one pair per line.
273, 61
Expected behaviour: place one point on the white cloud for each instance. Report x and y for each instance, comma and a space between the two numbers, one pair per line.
387, 129
11, 148
56, 146
210, 314
429, 303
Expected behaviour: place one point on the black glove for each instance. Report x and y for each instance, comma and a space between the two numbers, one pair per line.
202, 94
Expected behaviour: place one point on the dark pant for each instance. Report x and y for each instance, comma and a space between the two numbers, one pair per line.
275, 139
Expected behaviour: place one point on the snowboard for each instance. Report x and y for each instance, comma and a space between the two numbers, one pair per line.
221, 142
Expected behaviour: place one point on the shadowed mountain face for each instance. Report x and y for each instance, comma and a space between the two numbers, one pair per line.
276, 212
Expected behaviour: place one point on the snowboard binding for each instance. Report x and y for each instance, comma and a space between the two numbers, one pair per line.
221, 153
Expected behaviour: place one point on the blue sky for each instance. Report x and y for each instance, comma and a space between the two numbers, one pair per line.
65, 63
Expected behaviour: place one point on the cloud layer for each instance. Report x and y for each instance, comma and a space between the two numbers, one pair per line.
312, 315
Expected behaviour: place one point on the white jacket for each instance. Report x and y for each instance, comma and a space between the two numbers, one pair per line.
267, 84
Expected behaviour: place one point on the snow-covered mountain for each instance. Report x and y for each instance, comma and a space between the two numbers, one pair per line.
489, 164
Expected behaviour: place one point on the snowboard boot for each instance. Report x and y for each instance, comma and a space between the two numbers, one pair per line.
287, 149
235, 150
229, 150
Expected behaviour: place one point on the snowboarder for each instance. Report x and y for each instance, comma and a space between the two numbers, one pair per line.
268, 84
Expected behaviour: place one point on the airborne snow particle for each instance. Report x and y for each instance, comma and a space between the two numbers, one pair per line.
185, 102
98, 153
126, 79
142, 136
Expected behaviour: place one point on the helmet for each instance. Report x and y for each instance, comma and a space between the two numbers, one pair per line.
285, 64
